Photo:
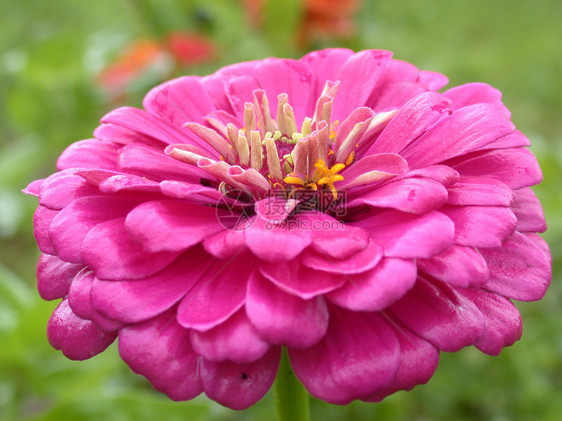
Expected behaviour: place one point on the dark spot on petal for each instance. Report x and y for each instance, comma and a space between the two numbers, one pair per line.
244, 376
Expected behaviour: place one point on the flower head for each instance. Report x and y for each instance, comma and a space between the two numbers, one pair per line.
377, 223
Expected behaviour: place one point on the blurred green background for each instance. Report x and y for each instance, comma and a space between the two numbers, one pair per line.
50, 54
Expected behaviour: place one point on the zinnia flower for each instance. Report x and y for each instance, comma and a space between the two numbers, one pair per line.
335, 205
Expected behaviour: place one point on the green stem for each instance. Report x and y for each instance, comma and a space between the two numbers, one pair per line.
291, 398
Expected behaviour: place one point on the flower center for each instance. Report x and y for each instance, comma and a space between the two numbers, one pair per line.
291, 158
264, 156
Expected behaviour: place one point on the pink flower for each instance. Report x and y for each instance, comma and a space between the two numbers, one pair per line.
336, 205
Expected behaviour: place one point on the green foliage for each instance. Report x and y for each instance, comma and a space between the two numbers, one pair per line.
50, 53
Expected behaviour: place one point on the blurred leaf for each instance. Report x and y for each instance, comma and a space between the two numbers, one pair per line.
13, 290
282, 19
138, 406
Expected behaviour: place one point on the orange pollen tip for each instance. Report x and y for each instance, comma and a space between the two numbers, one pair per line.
350, 158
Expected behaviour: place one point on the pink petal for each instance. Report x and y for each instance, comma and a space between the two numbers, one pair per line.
33, 188
179, 100
90, 153
193, 193
411, 121
285, 319
338, 240
432, 80
234, 340
353, 92
215, 84
466, 130
413, 195
120, 299
121, 135
240, 91
159, 349
515, 167
513, 140
113, 254
400, 82
528, 210
72, 224
277, 242
326, 65
520, 268
359, 262
503, 322
277, 76
42, 220
377, 288
473, 93
54, 276
481, 226
128, 183
94, 176
418, 362
79, 301
358, 119
170, 225
410, 236
440, 173
63, 187
299, 280
440, 315
145, 124
220, 119
373, 169
480, 191
157, 166
226, 244
389, 95
239, 386
359, 355
78, 339
458, 266
220, 293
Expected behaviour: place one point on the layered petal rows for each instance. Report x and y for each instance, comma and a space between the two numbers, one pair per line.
336, 205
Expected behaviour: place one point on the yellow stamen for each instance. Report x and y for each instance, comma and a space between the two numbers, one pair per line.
294, 180
324, 176
329, 180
